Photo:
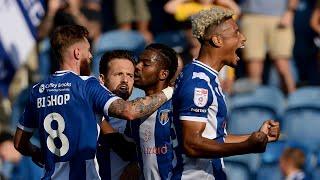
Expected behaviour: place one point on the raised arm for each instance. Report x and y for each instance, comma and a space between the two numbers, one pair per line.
140, 107
197, 146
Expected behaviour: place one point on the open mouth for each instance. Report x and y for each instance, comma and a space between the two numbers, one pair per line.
238, 51
123, 87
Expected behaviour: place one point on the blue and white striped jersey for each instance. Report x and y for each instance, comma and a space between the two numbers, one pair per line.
62, 108
198, 97
154, 136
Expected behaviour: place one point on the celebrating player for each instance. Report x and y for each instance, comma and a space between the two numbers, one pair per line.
116, 155
156, 67
199, 107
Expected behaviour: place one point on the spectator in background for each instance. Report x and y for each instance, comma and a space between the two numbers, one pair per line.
315, 18
292, 164
268, 28
305, 50
134, 11
55, 7
183, 9
16, 166
92, 4
94, 19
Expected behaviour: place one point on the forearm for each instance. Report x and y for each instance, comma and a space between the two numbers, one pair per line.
314, 22
231, 5
45, 26
23, 145
236, 138
138, 108
207, 148
172, 5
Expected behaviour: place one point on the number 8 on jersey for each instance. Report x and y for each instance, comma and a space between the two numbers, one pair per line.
56, 133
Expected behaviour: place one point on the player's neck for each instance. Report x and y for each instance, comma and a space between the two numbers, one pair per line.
70, 67
210, 57
155, 89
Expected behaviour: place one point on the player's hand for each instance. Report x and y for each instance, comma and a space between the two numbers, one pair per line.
257, 142
131, 172
37, 158
286, 20
272, 129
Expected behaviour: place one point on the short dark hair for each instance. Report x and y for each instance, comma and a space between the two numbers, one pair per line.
5, 136
168, 57
109, 56
65, 36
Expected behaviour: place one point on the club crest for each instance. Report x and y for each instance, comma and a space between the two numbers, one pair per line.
164, 116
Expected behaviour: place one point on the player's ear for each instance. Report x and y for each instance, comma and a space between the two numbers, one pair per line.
216, 41
101, 78
76, 53
163, 74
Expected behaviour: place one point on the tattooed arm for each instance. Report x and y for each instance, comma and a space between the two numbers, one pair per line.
137, 108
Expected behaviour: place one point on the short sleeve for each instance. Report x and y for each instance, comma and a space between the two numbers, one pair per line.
99, 96
195, 98
28, 121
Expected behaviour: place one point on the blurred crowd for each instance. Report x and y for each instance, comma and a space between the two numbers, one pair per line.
282, 41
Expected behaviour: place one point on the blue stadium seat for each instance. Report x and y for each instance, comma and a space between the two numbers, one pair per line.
301, 118
251, 160
117, 39
237, 171
305, 97
273, 152
174, 39
250, 110
268, 172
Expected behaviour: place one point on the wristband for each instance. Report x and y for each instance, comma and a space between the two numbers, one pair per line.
168, 92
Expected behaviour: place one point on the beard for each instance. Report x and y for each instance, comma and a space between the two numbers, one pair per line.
85, 68
122, 91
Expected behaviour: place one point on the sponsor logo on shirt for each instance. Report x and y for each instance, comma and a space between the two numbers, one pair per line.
155, 150
41, 88
200, 97
198, 110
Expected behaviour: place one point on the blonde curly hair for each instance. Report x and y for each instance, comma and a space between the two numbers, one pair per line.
202, 20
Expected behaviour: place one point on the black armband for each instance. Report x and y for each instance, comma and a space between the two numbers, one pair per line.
120, 145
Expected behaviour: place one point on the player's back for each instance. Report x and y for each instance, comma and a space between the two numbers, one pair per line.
64, 108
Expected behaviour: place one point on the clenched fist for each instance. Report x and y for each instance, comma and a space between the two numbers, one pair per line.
272, 129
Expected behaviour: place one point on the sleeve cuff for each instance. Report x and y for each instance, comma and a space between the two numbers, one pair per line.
20, 126
193, 118
108, 103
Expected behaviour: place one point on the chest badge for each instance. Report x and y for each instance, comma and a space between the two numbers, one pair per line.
164, 116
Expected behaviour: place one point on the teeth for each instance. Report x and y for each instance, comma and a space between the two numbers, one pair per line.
241, 47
